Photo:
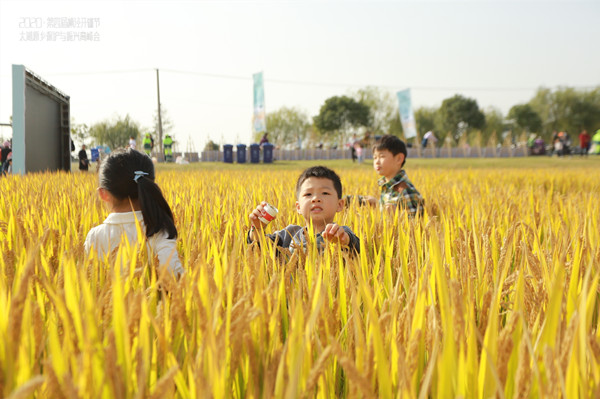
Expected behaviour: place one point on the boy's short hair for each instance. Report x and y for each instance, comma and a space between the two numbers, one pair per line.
391, 143
320, 172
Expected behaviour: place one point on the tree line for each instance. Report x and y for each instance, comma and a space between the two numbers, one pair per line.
115, 132
373, 110
459, 118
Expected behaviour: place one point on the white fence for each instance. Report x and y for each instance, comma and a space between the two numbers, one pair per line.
317, 154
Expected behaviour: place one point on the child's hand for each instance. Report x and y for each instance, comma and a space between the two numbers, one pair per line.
254, 221
336, 233
372, 201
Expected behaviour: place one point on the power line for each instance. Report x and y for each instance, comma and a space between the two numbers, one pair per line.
313, 83
325, 84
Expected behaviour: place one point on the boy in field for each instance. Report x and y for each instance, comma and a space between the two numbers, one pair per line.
389, 156
318, 199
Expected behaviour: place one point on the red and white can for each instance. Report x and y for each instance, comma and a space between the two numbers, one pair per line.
268, 213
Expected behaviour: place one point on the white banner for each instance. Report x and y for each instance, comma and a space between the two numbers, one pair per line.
407, 116
260, 123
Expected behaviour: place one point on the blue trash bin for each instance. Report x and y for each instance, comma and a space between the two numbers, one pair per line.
268, 153
241, 153
228, 153
254, 153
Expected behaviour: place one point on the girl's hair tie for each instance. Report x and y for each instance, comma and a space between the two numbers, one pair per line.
138, 174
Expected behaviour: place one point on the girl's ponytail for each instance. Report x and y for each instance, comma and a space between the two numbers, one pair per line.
155, 209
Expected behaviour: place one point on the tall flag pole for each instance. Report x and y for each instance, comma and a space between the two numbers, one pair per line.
259, 122
407, 117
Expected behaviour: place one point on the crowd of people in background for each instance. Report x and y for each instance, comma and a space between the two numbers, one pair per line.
562, 144
148, 146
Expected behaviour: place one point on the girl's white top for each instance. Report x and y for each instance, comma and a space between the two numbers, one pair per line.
107, 236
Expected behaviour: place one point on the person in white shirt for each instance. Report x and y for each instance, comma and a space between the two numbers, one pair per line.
429, 137
126, 184
132, 143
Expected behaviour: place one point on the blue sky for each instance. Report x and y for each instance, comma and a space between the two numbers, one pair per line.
497, 52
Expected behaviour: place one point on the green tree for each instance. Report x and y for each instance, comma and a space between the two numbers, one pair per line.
585, 113
396, 128
101, 134
211, 146
286, 126
80, 132
525, 118
426, 120
115, 133
460, 115
567, 109
339, 115
382, 110
494, 125
542, 104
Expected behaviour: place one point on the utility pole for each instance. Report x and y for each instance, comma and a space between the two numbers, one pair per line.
160, 131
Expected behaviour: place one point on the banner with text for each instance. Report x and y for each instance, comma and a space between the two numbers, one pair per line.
407, 116
260, 123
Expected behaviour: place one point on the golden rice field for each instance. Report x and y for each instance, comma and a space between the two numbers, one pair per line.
493, 293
